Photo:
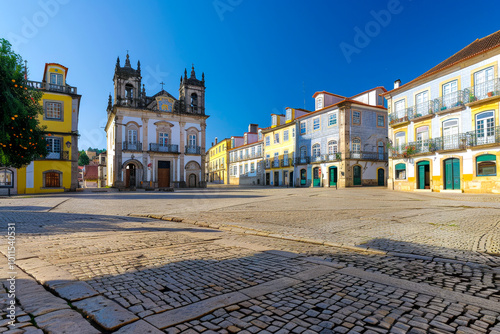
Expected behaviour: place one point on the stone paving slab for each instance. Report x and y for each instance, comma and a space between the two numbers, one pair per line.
139, 327
65, 322
195, 310
74, 291
105, 312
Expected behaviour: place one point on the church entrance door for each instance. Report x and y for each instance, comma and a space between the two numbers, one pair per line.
163, 174
192, 181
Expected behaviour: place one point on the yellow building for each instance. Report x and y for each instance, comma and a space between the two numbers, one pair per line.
218, 162
444, 125
58, 171
279, 148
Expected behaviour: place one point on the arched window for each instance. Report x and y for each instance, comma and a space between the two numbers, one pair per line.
6, 178
194, 102
316, 150
332, 147
303, 152
129, 91
486, 165
485, 127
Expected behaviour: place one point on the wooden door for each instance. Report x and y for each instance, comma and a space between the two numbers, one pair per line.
291, 179
452, 173
163, 174
127, 178
333, 176
456, 173
192, 181
381, 177
316, 177
357, 175
421, 177
303, 177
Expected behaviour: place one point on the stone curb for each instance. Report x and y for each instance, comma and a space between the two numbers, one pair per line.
251, 231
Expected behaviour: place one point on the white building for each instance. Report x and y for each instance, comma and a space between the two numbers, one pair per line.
444, 124
246, 160
155, 141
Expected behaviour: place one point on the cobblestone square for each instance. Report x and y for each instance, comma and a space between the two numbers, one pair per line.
253, 260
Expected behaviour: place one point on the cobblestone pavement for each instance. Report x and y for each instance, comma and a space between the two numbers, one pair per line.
106, 272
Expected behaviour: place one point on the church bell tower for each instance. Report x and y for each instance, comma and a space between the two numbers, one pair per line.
127, 82
192, 93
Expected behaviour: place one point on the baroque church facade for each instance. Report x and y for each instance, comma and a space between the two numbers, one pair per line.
158, 141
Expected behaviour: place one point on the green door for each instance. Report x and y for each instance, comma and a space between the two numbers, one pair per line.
333, 176
421, 177
357, 175
456, 174
303, 177
381, 177
452, 174
316, 179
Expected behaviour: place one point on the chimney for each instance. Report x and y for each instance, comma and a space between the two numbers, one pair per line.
397, 83
253, 128
216, 141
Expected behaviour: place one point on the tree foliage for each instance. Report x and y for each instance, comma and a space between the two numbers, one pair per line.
83, 158
21, 136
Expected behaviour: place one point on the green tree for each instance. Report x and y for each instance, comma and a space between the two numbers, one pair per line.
21, 136
83, 158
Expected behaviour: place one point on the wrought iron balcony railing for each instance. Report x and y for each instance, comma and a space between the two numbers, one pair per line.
362, 155
51, 87
193, 149
302, 160
483, 90
167, 148
459, 141
137, 146
247, 157
286, 162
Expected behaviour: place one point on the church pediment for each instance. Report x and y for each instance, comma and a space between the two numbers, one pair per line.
162, 101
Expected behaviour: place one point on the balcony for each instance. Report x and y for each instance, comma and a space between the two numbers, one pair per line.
460, 141
168, 148
51, 87
247, 157
442, 104
137, 146
192, 149
286, 162
362, 155
302, 160
483, 91
62, 155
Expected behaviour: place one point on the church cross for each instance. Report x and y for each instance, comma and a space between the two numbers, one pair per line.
162, 83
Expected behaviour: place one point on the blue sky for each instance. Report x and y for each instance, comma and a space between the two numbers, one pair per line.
258, 56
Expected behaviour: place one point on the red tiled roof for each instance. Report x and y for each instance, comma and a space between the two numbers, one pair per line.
91, 172
475, 48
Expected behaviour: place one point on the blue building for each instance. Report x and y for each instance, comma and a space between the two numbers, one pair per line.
343, 142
